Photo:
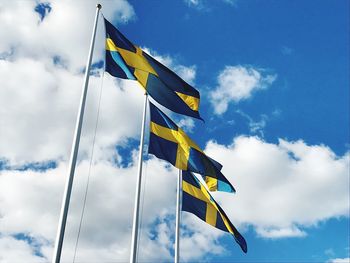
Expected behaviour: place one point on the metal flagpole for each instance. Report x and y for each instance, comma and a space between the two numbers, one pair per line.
135, 227
178, 211
73, 158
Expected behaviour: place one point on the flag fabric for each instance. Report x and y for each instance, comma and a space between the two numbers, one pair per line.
126, 60
197, 200
170, 143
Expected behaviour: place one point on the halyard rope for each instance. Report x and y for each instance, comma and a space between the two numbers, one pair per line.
89, 171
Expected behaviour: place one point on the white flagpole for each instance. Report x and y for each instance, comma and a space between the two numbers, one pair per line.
73, 158
135, 227
178, 215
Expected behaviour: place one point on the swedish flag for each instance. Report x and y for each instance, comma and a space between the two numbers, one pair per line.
128, 61
197, 200
170, 143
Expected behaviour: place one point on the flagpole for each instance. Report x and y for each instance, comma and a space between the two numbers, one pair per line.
135, 227
178, 211
74, 153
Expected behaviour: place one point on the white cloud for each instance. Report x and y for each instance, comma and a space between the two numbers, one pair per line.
281, 232
187, 73
39, 101
255, 127
30, 203
236, 83
298, 174
197, 234
193, 2
187, 124
39, 104
340, 260
280, 186
202, 5
17, 251
40, 98
65, 31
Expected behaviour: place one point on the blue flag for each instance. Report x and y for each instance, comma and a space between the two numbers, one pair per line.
197, 200
170, 143
126, 60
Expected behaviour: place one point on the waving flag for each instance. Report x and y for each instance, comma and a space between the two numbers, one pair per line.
197, 200
126, 60
170, 143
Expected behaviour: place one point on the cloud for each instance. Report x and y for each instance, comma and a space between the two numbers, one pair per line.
39, 97
300, 175
339, 260
42, 80
194, 3
202, 5
72, 23
187, 124
198, 234
17, 251
329, 252
291, 180
30, 204
281, 232
236, 83
255, 127
41, 89
44, 103
187, 73
34, 206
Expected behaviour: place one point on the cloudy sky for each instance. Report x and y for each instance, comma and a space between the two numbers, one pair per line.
273, 78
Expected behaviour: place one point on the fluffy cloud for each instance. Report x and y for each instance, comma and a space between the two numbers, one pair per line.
61, 33
42, 80
198, 234
42, 84
279, 170
280, 186
39, 96
300, 175
236, 83
17, 251
30, 204
41, 102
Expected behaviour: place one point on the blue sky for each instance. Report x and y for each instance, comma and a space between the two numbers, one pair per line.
306, 44
312, 73
274, 84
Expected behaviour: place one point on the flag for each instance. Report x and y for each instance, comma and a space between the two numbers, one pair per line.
126, 60
197, 200
170, 143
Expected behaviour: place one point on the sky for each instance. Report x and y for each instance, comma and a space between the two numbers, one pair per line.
274, 83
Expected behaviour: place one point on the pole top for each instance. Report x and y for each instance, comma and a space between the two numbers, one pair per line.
98, 6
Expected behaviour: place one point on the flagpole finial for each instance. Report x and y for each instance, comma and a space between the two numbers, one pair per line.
99, 6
